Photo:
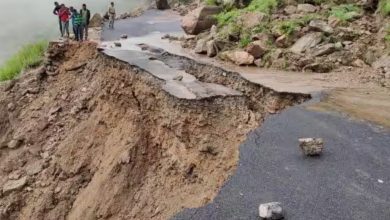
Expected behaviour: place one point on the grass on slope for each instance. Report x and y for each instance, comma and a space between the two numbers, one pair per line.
345, 12
28, 56
265, 6
384, 7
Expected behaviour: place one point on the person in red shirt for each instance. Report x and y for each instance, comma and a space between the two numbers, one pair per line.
64, 15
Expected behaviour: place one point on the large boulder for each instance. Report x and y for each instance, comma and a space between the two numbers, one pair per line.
96, 20
306, 42
257, 49
200, 19
239, 57
162, 4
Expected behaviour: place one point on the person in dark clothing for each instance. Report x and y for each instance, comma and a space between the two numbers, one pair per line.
56, 12
86, 17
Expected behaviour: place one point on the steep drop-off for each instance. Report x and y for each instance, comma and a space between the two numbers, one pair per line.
92, 137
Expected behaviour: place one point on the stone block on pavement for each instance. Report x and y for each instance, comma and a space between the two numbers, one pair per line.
311, 146
272, 210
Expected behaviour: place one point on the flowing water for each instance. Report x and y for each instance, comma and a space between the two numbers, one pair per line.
24, 21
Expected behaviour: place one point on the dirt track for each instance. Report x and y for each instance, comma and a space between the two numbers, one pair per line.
100, 139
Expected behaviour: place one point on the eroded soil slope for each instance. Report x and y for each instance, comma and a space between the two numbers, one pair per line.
95, 138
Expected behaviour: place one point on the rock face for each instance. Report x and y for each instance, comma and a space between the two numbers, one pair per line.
200, 19
272, 210
96, 20
13, 185
319, 25
311, 146
162, 4
306, 42
239, 57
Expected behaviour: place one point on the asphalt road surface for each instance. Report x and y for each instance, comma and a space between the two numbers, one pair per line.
151, 21
350, 181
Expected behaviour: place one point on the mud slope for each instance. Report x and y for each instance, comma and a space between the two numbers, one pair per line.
96, 138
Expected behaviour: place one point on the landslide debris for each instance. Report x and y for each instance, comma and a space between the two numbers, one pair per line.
317, 36
99, 139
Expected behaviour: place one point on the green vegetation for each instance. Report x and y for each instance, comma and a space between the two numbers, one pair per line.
261, 28
265, 6
384, 7
227, 20
226, 17
29, 56
345, 12
245, 41
387, 36
288, 27
211, 2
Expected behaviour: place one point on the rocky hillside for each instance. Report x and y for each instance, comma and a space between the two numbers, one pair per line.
308, 35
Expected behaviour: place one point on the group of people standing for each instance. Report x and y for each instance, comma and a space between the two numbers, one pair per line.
80, 20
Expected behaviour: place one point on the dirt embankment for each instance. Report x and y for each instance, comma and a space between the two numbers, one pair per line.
95, 138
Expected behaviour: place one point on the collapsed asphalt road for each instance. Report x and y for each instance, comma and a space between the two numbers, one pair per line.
349, 181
